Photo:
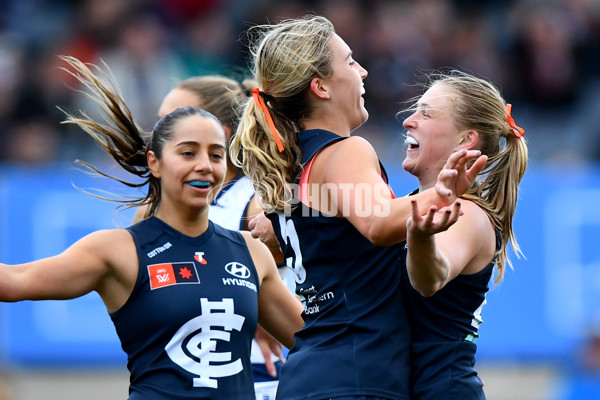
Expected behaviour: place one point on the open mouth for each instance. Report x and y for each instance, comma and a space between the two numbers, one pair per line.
411, 142
199, 184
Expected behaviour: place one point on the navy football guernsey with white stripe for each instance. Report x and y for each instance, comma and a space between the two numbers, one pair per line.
190, 319
355, 338
444, 328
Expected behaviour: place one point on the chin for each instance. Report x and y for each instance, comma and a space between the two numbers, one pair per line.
408, 165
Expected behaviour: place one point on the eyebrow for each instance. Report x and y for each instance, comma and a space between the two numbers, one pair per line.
218, 146
193, 143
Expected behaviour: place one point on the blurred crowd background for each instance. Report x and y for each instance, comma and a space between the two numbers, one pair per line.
544, 55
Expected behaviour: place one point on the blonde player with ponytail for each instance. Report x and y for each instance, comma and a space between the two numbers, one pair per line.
448, 268
337, 221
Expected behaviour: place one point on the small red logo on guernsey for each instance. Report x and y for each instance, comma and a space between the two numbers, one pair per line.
199, 256
162, 275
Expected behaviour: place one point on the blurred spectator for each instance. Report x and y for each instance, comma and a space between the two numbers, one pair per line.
144, 66
210, 48
582, 380
542, 53
32, 142
545, 54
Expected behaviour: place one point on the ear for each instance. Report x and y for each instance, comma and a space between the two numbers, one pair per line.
469, 140
319, 89
153, 164
227, 132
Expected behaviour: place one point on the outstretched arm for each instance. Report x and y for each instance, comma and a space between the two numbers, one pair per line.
442, 246
92, 263
350, 169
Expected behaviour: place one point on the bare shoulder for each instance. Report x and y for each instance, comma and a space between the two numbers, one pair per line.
255, 246
473, 214
112, 245
475, 233
108, 237
116, 250
346, 158
474, 227
351, 147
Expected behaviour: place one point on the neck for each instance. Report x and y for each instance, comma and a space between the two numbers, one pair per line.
423, 187
191, 224
329, 123
232, 172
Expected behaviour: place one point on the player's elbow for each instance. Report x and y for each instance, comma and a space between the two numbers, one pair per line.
426, 287
426, 290
378, 234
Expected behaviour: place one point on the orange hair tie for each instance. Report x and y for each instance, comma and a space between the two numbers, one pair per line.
261, 104
517, 131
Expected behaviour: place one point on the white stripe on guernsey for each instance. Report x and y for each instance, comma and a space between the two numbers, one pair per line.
477, 320
231, 205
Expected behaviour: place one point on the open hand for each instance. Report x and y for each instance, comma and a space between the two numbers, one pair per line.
434, 221
455, 179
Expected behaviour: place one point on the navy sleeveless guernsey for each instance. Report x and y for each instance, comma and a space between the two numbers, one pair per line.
355, 338
190, 319
444, 328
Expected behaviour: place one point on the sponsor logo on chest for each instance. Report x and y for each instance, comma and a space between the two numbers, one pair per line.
240, 274
175, 273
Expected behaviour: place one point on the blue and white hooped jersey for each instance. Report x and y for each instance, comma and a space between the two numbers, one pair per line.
229, 208
190, 319
355, 338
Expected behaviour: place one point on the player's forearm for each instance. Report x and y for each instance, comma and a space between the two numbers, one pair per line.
428, 268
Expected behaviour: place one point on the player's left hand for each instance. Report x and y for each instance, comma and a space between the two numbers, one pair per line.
268, 345
434, 221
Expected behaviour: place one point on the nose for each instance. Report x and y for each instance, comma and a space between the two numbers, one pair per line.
409, 122
203, 164
363, 72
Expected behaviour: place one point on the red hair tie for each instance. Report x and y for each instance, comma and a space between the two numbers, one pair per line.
261, 104
517, 131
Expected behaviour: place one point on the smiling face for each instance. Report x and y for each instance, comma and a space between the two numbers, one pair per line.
193, 163
432, 135
345, 85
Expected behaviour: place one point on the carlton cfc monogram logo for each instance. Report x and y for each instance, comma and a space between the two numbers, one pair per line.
195, 346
